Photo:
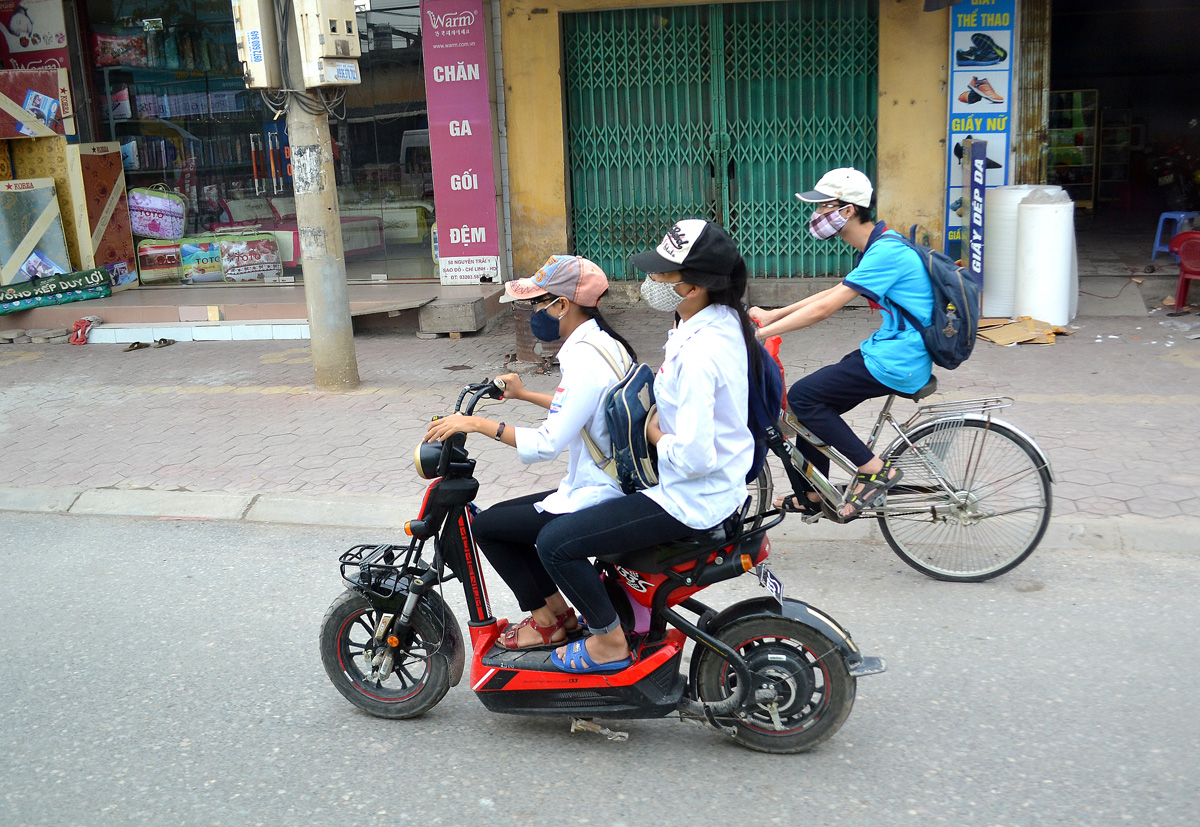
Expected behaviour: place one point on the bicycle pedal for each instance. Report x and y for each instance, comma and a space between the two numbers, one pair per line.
811, 519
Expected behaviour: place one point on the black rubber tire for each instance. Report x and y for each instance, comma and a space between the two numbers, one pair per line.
947, 551
817, 683
348, 623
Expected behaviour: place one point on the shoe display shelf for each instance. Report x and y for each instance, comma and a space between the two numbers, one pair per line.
1112, 180
1074, 139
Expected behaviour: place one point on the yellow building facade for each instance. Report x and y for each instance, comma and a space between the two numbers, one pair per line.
912, 111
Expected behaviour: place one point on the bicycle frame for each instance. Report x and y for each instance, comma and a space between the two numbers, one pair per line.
797, 467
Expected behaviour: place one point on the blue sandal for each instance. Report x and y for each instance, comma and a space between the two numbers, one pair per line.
578, 662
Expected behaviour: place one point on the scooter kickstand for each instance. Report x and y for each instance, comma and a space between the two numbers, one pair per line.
583, 725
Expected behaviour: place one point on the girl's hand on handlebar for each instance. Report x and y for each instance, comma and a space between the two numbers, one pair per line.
442, 429
513, 389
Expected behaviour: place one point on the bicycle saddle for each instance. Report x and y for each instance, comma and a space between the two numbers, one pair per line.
928, 389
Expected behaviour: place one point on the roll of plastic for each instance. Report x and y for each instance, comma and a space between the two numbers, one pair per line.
1045, 253
1000, 248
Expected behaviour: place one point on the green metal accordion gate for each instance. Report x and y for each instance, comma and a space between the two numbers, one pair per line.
720, 112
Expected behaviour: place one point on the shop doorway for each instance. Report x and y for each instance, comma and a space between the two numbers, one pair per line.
720, 112
1125, 140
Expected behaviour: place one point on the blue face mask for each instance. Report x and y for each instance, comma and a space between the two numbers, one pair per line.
544, 326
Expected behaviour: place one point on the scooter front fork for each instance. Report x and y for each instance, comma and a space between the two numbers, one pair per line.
385, 646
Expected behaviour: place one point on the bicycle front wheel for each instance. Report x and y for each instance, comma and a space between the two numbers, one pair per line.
974, 501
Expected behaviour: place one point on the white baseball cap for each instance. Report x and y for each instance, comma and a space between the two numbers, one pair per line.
843, 184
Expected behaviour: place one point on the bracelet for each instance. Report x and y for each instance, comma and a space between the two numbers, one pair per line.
499, 432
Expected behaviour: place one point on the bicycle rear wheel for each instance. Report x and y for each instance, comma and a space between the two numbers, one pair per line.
761, 493
974, 501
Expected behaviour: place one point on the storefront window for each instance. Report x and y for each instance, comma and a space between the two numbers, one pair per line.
385, 169
168, 88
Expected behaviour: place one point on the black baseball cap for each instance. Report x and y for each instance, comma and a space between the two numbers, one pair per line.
701, 249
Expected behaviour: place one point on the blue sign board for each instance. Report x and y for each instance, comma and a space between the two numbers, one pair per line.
981, 90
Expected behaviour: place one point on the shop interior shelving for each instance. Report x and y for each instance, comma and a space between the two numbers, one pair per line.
1074, 134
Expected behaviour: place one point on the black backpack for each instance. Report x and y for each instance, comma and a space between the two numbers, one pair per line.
950, 336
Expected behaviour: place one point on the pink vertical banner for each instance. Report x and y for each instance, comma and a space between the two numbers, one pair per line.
460, 139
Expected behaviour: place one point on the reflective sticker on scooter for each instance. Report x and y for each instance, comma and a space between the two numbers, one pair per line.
560, 396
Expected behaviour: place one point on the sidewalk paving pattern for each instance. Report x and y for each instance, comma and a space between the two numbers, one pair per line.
1113, 406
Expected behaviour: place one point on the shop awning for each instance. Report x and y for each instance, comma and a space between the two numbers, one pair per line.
938, 5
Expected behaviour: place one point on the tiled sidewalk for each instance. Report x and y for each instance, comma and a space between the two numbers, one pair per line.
1113, 405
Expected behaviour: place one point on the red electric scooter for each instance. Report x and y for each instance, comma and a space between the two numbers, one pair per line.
772, 672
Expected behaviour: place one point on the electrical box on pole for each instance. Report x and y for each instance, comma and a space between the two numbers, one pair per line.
257, 43
329, 41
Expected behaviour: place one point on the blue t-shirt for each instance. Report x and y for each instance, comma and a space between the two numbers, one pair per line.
891, 274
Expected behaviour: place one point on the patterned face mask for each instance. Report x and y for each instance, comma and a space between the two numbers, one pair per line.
660, 295
824, 225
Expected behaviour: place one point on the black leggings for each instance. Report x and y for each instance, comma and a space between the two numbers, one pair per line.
631, 522
507, 534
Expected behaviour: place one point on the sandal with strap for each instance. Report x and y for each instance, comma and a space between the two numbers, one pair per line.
874, 486
576, 660
508, 640
797, 504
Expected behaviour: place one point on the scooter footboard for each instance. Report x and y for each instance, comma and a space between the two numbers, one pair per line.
525, 682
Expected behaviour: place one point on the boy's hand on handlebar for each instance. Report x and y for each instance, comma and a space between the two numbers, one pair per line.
513, 389
443, 428
763, 317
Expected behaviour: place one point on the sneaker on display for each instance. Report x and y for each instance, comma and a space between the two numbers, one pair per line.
983, 89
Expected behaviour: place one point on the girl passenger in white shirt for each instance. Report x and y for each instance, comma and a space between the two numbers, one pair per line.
700, 432
564, 295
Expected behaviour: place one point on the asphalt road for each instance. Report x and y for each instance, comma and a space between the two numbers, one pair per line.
167, 672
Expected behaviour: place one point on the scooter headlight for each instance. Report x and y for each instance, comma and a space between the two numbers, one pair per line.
426, 457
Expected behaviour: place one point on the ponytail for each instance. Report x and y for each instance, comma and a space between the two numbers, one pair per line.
594, 313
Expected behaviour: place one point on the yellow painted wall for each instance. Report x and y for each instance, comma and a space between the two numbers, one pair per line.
911, 153
912, 119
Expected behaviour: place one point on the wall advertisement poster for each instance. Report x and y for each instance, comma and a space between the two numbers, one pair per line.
981, 89
460, 140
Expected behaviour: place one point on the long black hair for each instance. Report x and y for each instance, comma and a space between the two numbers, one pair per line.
732, 296
594, 313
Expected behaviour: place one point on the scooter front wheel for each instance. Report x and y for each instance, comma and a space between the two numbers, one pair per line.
814, 692
417, 679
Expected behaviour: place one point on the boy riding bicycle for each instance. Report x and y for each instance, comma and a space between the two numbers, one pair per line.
891, 360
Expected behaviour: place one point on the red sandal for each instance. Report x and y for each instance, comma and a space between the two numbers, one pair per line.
508, 640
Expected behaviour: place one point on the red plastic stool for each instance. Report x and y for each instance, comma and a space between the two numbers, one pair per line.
1187, 247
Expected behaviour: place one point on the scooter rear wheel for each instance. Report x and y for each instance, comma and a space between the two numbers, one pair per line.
419, 678
815, 692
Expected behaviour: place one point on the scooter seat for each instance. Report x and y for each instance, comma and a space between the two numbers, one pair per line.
657, 559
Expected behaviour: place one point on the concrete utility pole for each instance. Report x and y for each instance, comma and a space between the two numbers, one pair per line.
322, 256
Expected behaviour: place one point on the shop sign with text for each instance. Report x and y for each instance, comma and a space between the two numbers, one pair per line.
981, 90
460, 140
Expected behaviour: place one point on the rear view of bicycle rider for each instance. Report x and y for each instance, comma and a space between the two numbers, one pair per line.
892, 360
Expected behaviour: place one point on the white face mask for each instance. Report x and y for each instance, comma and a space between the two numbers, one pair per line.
660, 295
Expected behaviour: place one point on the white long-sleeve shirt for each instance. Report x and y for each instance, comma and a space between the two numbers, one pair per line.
576, 404
702, 393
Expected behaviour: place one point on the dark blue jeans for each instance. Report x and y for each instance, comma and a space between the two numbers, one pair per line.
565, 545
819, 400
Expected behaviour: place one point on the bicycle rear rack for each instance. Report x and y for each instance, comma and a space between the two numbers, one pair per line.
960, 406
